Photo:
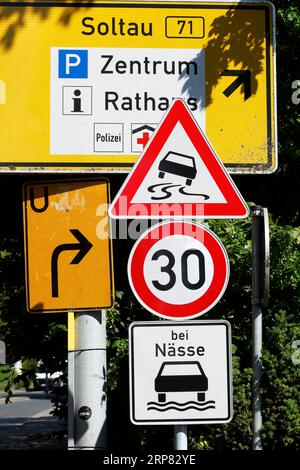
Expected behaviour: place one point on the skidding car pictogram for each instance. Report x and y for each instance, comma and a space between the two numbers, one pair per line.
178, 164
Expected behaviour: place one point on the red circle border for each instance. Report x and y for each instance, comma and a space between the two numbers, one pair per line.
155, 304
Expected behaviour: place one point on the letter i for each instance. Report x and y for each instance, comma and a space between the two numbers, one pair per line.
77, 102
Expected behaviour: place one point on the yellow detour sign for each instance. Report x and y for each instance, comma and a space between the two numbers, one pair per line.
67, 246
85, 87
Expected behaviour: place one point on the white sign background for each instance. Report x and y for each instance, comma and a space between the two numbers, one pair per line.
214, 337
74, 134
175, 298
203, 183
177, 245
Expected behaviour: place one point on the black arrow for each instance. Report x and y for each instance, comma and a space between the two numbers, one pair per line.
83, 248
243, 78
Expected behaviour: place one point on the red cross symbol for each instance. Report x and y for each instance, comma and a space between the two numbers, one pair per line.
143, 140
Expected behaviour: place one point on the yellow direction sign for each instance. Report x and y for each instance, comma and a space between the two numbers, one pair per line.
86, 87
67, 246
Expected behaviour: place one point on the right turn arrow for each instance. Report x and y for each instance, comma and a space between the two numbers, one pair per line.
83, 246
243, 78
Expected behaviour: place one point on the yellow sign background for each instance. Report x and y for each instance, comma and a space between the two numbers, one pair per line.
237, 36
80, 205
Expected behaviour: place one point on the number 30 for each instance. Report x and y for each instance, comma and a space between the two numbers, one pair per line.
184, 269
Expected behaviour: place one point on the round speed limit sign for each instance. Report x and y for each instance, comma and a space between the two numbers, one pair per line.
178, 270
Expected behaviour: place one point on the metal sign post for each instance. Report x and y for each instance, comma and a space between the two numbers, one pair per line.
260, 295
87, 404
90, 401
71, 385
180, 437
69, 267
2, 352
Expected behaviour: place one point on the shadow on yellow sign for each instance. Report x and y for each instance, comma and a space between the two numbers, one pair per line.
128, 61
67, 246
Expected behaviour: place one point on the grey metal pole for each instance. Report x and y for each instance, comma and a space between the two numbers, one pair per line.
180, 437
180, 430
71, 399
90, 400
257, 302
71, 379
2, 352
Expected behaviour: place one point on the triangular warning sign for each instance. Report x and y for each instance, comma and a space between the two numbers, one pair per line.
178, 175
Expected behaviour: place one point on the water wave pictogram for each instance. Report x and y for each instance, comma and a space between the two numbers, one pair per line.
174, 405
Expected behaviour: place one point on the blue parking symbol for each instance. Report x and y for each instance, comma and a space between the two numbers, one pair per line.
72, 63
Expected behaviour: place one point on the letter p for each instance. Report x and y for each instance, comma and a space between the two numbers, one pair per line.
72, 60
72, 63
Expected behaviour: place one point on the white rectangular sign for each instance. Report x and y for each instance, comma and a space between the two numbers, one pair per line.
180, 373
109, 101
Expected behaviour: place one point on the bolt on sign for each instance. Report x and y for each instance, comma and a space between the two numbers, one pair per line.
92, 94
68, 256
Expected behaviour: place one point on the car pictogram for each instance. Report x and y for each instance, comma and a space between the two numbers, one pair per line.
178, 164
185, 376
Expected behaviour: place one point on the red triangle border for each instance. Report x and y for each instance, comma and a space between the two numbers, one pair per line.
235, 207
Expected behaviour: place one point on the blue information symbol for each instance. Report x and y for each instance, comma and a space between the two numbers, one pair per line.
72, 63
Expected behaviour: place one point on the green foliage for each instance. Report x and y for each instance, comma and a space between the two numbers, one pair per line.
28, 337
9, 380
281, 327
117, 342
281, 393
6, 374
59, 397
